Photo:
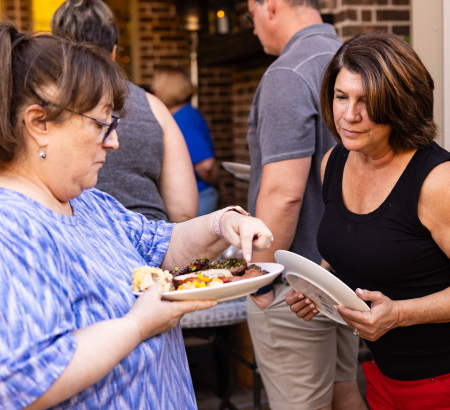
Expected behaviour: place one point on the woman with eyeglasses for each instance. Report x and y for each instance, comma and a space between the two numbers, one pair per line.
72, 334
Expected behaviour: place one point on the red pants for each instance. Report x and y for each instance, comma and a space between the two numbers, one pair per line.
384, 393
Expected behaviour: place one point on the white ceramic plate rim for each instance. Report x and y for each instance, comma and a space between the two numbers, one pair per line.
241, 171
323, 280
222, 292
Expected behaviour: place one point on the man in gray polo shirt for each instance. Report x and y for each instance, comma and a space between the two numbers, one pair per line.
304, 365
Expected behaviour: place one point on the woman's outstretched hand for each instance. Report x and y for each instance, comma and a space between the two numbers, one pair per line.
246, 233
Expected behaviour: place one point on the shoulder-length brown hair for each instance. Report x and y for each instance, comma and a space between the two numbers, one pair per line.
398, 88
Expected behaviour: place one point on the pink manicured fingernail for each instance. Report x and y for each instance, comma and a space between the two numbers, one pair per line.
307, 301
360, 291
314, 311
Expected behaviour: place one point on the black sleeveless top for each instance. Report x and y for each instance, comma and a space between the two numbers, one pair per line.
389, 250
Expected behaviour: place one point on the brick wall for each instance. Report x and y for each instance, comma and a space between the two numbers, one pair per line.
245, 82
357, 16
18, 11
215, 103
159, 39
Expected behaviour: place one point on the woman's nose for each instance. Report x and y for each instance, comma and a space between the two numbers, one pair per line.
113, 141
352, 113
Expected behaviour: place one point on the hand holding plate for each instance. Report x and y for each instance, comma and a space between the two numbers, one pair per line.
154, 316
301, 305
382, 317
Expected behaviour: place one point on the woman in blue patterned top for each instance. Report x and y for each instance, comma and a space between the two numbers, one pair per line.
72, 334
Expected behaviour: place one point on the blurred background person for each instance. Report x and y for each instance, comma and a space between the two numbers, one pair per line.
386, 226
174, 87
151, 172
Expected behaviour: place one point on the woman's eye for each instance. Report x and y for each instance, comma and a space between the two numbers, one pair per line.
339, 97
100, 126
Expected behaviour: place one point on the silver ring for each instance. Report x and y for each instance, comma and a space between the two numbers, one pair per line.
356, 332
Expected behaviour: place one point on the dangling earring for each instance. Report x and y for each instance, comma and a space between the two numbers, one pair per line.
42, 153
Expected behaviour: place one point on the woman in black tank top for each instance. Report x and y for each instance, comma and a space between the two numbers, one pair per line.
386, 226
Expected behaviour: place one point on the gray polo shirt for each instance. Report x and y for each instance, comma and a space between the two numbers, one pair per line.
285, 123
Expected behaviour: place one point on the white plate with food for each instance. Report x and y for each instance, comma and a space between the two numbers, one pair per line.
226, 291
320, 285
241, 171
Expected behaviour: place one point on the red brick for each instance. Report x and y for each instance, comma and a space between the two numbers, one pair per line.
364, 2
403, 31
350, 31
366, 15
392, 15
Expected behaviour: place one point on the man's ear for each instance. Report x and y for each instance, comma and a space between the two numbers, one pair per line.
35, 124
271, 8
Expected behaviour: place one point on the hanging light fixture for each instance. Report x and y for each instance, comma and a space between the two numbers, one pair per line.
193, 16
223, 17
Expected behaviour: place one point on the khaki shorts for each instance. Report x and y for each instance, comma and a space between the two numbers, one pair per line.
300, 361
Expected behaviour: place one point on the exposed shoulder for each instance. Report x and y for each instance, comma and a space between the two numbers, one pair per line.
434, 205
436, 183
157, 106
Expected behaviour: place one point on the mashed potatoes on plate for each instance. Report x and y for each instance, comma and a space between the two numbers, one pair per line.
146, 276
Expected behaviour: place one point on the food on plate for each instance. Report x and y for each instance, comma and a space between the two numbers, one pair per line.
236, 266
199, 273
202, 279
195, 266
146, 276
252, 271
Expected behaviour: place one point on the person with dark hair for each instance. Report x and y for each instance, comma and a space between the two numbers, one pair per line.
175, 89
151, 173
386, 226
72, 333
287, 140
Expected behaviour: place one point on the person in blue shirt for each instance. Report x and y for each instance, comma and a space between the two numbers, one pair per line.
72, 333
174, 88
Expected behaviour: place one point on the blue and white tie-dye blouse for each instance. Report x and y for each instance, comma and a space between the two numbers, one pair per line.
61, 273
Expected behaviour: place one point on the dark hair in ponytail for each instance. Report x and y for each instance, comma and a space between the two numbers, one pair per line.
54, 72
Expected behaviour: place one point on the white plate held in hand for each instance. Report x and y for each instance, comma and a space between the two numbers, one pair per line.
321, 286
230, 290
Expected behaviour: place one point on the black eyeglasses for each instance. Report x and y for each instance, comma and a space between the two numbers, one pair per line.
110, 126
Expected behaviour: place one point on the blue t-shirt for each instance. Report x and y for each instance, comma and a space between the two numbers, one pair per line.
61, 273
198, 138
